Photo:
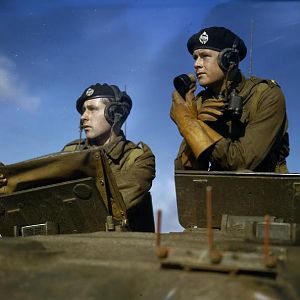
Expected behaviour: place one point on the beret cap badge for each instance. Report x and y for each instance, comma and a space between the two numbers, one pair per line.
89, 92
203, 38
217, 39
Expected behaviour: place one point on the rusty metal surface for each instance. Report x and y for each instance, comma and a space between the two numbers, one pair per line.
123, 265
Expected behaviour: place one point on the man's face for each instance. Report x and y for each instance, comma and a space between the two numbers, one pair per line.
93, 120
207, 69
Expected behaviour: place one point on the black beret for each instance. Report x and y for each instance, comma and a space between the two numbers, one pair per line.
112, 92
216, 38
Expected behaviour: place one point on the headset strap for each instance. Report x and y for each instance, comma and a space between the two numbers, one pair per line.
118, 95
115, 193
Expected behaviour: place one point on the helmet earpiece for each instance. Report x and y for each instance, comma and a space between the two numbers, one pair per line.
229, 57
118, 109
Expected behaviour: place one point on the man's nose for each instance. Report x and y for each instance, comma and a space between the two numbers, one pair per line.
198, 63
83, 116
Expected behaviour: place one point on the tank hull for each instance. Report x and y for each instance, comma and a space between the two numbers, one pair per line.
123, 265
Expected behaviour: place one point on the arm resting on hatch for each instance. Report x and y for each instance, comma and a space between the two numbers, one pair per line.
135, 181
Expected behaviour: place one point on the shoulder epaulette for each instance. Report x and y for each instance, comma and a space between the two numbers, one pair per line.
270, 82
273, 82
72, 146
136, 152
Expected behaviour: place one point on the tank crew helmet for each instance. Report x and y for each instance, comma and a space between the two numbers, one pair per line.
119, 106
231, 47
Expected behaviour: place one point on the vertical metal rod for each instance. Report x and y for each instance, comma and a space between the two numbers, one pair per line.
214, 255
266, 236
158, 225
161, 252
16, 231
209, 218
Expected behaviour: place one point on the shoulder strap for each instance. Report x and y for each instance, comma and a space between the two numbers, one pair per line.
72, 146
259, 90
68, 148
133, 155
114, 190
253, 108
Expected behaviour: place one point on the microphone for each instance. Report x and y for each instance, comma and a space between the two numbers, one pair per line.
80, 125
183, 82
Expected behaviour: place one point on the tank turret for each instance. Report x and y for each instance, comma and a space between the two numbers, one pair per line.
59, 238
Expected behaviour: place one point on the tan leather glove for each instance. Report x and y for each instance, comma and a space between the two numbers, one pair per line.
210, 110
3, 180
197, 134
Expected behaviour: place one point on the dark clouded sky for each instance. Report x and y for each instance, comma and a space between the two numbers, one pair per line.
51, 51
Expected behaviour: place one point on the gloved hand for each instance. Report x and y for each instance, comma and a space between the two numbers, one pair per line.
210, 110
197, 134
181, 109
3, 180
184, 108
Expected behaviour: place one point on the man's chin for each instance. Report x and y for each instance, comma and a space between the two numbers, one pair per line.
90, 136
97, 140
203, 82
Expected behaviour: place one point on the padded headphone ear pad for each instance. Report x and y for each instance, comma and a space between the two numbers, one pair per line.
114, 112
227, 57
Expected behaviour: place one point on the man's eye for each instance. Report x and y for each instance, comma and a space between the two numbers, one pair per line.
92, 108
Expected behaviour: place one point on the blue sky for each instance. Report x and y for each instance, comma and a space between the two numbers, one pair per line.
51, 51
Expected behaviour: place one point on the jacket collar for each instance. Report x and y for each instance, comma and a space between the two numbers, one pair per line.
237, 83
114, 149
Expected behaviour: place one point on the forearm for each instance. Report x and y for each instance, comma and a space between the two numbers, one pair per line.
186, 160
134, 184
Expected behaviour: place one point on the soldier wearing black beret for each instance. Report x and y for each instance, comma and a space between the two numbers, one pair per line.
235, 123
103, 109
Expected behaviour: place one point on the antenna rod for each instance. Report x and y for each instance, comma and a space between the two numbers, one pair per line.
251, 48
125, 123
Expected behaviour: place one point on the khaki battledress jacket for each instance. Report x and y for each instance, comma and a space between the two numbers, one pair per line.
133, 166
257, 141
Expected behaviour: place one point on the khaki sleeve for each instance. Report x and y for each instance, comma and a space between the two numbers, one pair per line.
136, 180
261, 132
186, 160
